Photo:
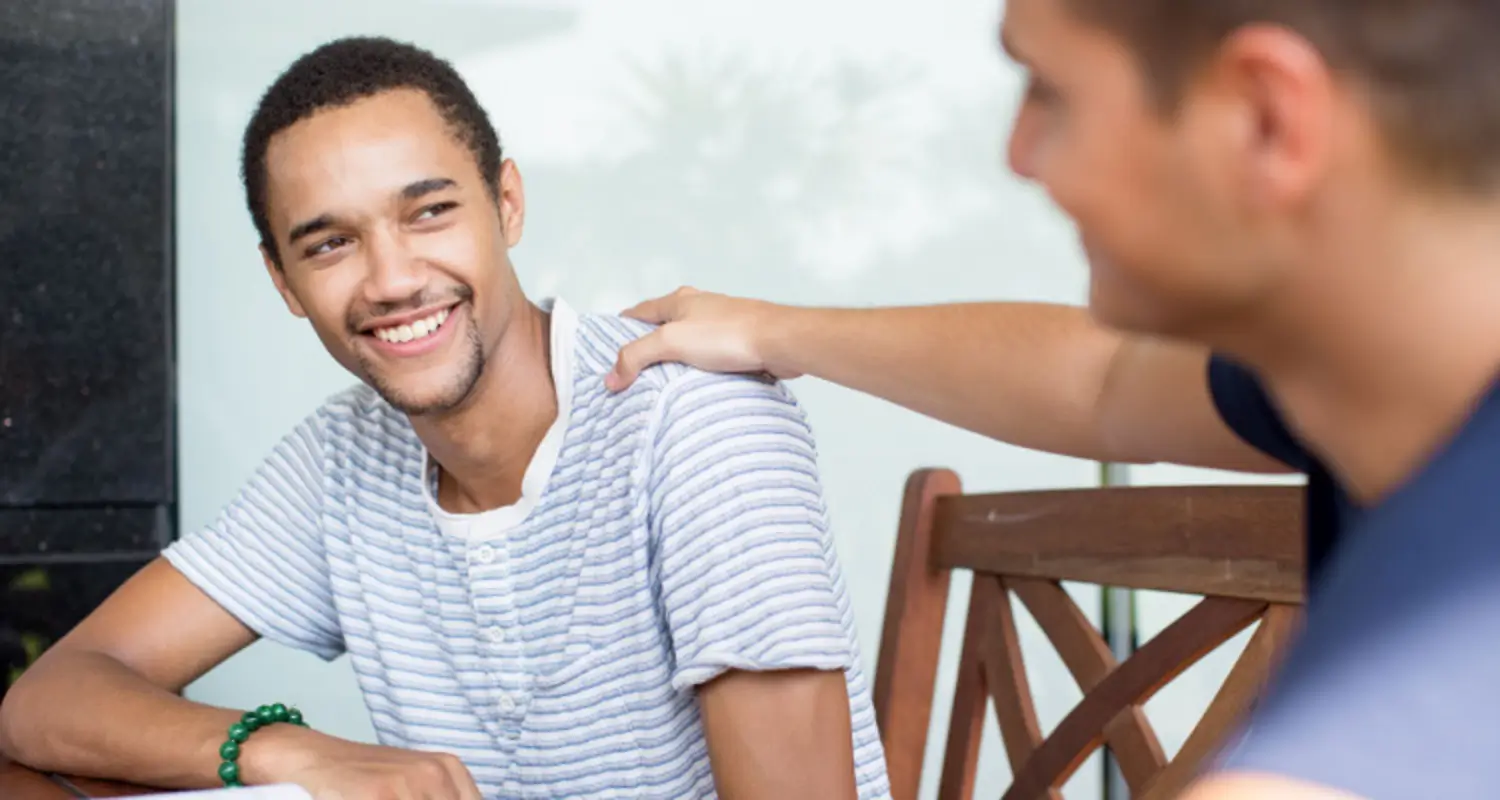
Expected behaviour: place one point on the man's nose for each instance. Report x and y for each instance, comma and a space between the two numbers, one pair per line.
393, 274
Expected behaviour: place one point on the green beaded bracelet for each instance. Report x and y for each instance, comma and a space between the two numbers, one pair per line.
252, 721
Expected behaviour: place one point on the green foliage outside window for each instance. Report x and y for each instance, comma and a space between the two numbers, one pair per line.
32, 644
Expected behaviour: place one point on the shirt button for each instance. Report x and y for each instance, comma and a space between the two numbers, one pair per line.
485, 554
507, 703
495, 634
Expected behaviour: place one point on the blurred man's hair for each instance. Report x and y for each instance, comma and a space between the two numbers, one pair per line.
1431, 68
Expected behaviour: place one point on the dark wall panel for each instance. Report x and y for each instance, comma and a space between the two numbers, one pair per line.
85, 270
86, 364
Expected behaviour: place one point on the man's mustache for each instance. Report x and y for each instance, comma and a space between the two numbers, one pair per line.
358, 316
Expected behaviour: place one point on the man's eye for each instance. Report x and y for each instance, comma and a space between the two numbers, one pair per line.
327, 246
436, 209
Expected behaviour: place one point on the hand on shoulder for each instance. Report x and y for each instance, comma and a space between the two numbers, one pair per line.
708, 331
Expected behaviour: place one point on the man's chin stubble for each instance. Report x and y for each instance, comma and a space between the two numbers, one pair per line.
459, 390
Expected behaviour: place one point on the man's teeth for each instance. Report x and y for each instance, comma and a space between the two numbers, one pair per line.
420, 329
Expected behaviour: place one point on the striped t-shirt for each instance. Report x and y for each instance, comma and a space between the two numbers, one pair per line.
553, 646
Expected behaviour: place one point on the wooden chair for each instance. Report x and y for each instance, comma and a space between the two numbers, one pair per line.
1241, 547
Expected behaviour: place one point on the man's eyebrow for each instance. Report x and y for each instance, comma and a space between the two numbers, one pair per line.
428, 186
411, 191
309, 227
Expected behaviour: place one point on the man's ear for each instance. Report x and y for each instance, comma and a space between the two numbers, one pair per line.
512, 202
278, 277
1283, 95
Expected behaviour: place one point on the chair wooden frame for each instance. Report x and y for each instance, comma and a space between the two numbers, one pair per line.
1239, 546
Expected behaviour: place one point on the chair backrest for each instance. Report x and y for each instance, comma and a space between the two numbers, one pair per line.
1240, 546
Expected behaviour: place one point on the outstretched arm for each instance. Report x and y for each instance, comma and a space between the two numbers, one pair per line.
1041, 376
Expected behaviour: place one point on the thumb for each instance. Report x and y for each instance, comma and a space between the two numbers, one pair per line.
636, 356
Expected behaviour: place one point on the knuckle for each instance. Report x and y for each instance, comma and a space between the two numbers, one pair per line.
433, 769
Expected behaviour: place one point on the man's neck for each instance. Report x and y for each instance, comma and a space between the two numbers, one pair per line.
1379, 355
483, 449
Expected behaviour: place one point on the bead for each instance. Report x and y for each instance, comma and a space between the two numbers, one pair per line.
239, 733
280, 713
251, 720
229, 771
232, 784
230, 750
267, 716
294, 716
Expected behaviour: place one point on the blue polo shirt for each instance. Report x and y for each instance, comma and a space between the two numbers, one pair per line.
1393, 687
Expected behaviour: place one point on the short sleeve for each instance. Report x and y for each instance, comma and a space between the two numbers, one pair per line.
262, 559
747, 574
1247, 409
1390, 688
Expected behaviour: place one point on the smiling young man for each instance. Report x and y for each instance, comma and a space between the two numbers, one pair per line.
546, 589
1291, 210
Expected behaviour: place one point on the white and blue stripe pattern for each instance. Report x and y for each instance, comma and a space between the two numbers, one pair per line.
682, 533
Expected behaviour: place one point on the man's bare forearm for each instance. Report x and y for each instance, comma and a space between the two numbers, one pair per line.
1030, 374
85, 713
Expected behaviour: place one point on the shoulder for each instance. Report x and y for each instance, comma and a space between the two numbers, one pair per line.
599, 339
677, 390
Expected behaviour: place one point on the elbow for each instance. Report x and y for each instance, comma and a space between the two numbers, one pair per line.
13, 739
1116, 439
23, 713
1117, 446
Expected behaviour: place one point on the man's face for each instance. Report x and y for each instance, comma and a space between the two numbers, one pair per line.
1158, 200
392, 246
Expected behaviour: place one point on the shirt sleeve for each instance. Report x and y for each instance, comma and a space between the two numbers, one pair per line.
746, 567
1391, 687
1247, 409
262, 559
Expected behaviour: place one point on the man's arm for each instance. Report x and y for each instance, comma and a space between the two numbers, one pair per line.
1245, 786
105, 702
779, 734
751, 592
1041, 376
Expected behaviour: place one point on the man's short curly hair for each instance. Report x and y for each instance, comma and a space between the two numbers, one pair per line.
342, 72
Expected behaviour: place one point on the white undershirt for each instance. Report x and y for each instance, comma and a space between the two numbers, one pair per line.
497, 521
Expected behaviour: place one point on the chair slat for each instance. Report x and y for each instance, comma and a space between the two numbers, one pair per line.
1129, 735
1240, 541
1230, 705
966, 724
1194, 634
1005, 675
906, 674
